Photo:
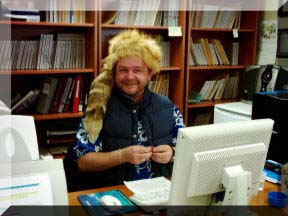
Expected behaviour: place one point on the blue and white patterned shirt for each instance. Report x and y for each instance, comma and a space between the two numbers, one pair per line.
143, 170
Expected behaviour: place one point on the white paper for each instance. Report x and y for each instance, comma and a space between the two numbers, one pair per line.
145, 185
34, 189
267, 42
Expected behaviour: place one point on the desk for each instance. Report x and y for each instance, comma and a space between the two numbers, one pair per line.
259, 200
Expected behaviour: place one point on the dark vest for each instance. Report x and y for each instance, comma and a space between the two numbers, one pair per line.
120, 128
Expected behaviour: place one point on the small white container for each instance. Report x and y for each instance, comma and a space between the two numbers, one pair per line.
236, 111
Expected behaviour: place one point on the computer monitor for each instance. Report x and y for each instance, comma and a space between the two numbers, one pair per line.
274, 105
32, 183
18, 138
219, 157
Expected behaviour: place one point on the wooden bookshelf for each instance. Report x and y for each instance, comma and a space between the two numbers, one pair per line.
182, 76
196, 75
25, 79
177, 47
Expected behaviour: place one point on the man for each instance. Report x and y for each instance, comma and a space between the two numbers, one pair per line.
128, 132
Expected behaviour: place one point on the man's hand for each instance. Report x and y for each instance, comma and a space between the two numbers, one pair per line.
162, 154
136, 154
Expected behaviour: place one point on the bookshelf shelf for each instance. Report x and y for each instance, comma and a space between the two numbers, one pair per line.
221, 30
53, 116
47, 24
170, 68
112, 26
222, 67
210, 103
47, 72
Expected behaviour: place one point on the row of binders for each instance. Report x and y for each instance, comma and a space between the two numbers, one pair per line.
215, 16
67, 94
67, 51
160, 84
220, 88
63, 95
146, 13
64, 11
165, 48
206, 51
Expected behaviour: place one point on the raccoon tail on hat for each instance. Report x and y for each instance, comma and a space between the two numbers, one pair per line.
99, 95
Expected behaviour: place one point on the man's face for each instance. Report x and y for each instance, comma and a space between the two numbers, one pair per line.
131, 76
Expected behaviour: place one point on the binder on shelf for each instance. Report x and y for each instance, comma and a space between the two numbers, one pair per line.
58, 95
65, 94
77, 92
69, 98
47, 94
26, 101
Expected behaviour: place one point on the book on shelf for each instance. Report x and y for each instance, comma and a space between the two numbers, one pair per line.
56, 11
205, 15
131, 13
212, 90
160, 84
70, 51
235, 86
22, 14
194, 55
77, 93
58, 95
205, 89
111, 18
233, 52
67, 106
219, 47
231, 90
194, 96
46, 51
47, 95
65, 94
26, 101
205, 49
222, 85
82, 96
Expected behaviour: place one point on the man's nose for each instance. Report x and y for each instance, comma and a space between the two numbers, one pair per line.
130, 74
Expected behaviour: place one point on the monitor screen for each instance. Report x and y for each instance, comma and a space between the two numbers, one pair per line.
216, 157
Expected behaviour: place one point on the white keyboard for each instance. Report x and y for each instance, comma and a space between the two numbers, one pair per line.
151, 197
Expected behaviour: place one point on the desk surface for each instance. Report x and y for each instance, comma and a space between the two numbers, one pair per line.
259, 200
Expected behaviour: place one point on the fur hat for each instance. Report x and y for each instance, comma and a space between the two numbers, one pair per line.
126, 43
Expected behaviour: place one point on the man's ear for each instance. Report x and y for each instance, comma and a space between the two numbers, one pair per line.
150, 74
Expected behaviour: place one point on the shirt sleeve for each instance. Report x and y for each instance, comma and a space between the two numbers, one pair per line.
82, 144
179, 123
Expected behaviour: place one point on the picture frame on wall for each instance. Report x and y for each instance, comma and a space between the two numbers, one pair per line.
282, 43
283, 10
